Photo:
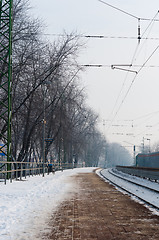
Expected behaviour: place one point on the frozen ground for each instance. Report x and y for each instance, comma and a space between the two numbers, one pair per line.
26, 206
150, 196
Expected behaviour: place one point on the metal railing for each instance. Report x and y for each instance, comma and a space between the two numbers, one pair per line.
19, 170
150, 173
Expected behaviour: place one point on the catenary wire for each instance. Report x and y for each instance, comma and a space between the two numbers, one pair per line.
127, 13
143, 65
139, 38
131, 85
145, 39
131, 15
90, 36
109, 66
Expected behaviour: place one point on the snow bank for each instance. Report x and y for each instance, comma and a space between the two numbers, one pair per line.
26, 206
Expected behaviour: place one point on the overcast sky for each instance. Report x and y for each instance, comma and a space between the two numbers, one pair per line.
128, 103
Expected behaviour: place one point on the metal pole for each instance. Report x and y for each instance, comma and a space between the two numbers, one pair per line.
6, 74
9, 89
0, 11
143, 145
149, 144
44, 122
134, 148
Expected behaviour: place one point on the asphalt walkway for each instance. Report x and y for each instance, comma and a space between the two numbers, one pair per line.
97, 211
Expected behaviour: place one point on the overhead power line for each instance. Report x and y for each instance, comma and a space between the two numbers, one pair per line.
132, 82
131, 15
110, 66
147, 115
127, 13
135, 78
120, 67
142, 66
136, 17
92, 36
117, 37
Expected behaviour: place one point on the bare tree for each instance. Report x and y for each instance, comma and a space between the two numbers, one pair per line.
45, 82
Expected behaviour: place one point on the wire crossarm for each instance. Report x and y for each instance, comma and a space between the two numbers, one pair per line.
5, 76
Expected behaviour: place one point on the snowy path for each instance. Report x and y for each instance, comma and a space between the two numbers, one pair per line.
26, 206
99, 211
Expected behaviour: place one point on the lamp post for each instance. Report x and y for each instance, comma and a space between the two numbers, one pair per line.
44, 89
44, 123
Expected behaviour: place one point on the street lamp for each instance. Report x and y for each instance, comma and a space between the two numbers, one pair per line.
44, 122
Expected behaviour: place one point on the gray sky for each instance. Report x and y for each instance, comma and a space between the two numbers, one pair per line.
128, 103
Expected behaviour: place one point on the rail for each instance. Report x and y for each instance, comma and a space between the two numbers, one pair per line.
150, 173
18, 170
143, 190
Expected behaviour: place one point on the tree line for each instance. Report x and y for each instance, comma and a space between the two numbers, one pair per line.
48, 101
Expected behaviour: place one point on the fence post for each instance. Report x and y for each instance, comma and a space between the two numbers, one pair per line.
5, 175
25, 169
16, 173
20, 171
32, 169
11, 173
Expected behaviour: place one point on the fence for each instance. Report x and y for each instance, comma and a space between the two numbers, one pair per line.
150, 173
17, 170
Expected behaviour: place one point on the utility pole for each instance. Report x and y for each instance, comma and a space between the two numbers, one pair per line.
134, 148
6, 7
143, 145
148, 139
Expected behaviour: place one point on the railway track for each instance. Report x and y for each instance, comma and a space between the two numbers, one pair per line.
136, 180
144, 190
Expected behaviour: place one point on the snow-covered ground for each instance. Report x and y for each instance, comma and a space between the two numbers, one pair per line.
26, 206
142, 193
